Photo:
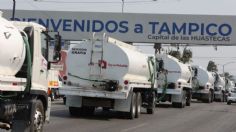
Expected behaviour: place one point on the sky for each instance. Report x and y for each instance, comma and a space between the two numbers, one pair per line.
201, 55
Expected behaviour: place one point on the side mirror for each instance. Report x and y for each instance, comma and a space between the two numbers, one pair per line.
54, 49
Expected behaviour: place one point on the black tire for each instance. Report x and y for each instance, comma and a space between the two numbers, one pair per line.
209, 99
182, 103
229, 103
177, 105
105, 108
88, 111
222, 97
75, 111
39, 117
138, 105
212, 96
64, 100
132, 112
151, 108
189, 98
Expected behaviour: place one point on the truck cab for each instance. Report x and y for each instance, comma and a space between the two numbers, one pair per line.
24, 104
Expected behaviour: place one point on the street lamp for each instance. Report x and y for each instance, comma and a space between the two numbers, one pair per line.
227, 64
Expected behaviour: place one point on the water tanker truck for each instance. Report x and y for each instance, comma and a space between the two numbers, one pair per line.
229, 86
174, 81
24, 64
219, 88
105, 72
203, 84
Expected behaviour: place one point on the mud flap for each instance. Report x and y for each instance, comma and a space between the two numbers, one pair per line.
47, 112
24, 117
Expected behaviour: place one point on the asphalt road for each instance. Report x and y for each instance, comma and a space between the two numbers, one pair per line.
199, 117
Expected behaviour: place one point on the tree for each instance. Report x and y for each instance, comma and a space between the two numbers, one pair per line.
227, 75
212, 66
175, 54
184, 57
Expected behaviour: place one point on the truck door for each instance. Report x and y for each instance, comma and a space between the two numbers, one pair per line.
40, 63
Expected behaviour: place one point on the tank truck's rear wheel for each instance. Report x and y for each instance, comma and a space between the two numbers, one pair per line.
209, 97
152, 105
75, 111
212, 96
221, 97
88, 110
131, 114
182, 103
138, 104
189, 98
38, 119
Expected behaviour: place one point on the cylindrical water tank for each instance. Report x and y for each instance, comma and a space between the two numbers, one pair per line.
12, 49
204, 76
176, 69
120, 62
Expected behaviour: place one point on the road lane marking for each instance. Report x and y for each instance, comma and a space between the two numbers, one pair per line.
135, 127
56, 110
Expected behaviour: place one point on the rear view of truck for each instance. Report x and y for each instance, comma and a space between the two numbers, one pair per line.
174, 81
219, 88
105, 72
203, 84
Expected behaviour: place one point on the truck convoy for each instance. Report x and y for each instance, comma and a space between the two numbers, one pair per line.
174, 81
203, 84
105, 72
24, 65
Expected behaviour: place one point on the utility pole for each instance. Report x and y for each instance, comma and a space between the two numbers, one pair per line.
123, 3
14, 9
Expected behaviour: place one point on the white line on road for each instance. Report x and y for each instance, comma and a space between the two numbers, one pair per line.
133, 128
57, 110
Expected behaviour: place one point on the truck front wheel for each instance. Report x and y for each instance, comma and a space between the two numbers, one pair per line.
38, 119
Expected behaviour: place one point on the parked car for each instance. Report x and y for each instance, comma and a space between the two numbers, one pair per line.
231, 96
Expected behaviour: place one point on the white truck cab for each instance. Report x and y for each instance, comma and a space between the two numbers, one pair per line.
24, 64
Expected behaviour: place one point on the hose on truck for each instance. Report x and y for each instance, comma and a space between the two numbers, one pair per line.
29, 65
92, 80
152, 79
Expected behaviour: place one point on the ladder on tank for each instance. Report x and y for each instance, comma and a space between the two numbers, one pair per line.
97, 63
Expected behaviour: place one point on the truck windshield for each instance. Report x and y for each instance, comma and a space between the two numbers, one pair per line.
44, 45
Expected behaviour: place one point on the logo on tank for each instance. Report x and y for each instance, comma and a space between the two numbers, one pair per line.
82, 51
